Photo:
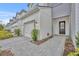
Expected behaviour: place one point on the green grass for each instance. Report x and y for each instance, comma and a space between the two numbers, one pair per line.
5, 35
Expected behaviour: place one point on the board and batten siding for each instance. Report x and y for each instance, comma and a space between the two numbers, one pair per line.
34, 16
45, 22
61, 10
56, 25
77, 18
74, 21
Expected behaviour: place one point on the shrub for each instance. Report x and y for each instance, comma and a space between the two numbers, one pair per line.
5, 34
1, 27
17, 32
8, 30
0, 48
76, 53
69, 47
34, 34
77, 38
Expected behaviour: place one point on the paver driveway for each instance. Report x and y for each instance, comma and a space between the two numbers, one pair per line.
23, 47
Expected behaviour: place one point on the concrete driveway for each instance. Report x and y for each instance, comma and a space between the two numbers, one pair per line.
23, 47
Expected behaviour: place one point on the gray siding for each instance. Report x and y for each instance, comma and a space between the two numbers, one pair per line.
61, 10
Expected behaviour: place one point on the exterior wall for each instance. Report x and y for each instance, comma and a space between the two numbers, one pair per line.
20, 26
56, 25
45, 22
59, 13
28, 27
61, 10
32, 17
77, 18
14, 26
74, 21
17, 25
44, 19
53, 4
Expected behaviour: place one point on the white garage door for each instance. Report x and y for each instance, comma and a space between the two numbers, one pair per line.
28, 27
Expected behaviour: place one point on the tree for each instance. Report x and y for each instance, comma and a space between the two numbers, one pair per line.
1, 27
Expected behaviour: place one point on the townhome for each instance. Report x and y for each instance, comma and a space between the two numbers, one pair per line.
50, 19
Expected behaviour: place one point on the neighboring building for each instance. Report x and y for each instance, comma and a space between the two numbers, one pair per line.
49, 19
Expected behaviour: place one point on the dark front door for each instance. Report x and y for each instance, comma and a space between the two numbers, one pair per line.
62, 27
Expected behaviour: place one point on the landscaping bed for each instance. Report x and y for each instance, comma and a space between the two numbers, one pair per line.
69, 47
38, 42
6, 52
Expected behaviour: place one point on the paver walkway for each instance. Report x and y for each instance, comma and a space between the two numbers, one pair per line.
23, 47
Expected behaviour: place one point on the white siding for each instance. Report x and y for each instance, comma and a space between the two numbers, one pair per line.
73, 23
28, 27
77, 18
45, 22
35, 17
61, 10
20, 26
14, 26
56, 25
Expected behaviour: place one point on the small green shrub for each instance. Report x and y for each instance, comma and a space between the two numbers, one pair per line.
5, 34
76, 53
17, 32
77, 38
34, 34
8, 30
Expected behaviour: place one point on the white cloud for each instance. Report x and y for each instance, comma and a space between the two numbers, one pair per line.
6, 16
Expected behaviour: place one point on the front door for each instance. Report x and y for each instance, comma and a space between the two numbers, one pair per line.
62, 27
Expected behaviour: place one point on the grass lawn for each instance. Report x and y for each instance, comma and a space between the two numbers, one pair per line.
5, 35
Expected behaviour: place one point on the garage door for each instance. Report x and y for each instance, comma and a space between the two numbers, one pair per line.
28, 27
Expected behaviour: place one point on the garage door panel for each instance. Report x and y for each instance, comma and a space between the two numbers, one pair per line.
28, 27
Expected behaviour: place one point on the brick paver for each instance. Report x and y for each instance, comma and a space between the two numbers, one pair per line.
23, 47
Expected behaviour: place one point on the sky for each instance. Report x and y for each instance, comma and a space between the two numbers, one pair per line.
9, 10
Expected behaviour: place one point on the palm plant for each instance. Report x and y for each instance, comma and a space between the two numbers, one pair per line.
77, 39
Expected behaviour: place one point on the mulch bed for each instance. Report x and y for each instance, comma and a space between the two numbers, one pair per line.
69, 47
6, 52
38, 42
